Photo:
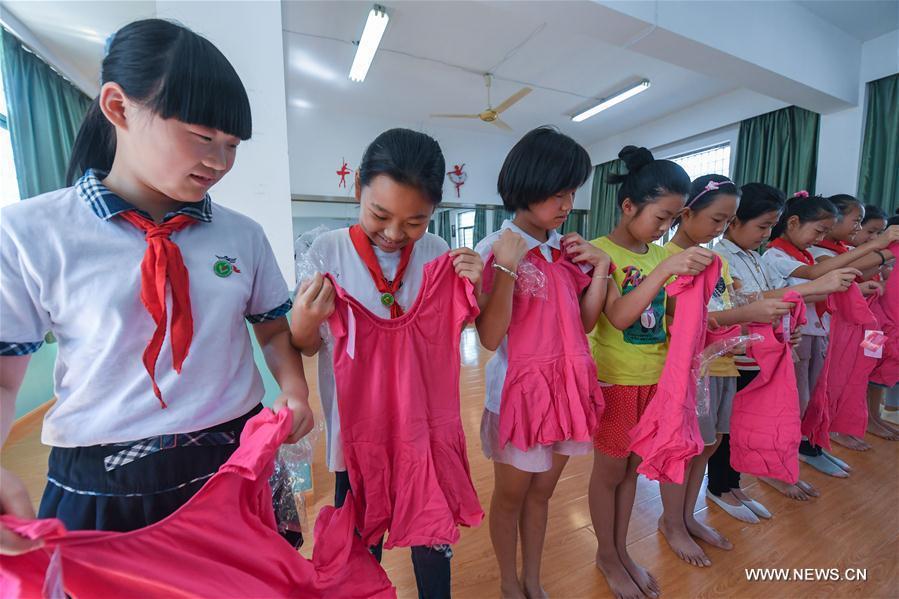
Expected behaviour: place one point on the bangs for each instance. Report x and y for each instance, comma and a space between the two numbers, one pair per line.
543, 163
202, 88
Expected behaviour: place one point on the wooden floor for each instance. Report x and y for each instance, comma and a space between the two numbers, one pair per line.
854, 524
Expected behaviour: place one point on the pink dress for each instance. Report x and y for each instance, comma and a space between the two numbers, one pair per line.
886, 310
222, 543
550, 393
764, 425
668, 436
398, 400
839, 402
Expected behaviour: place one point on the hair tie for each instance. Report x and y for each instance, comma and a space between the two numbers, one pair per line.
710, 186
108, 43
801, 194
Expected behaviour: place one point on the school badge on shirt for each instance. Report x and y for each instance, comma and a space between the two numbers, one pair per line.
225, 266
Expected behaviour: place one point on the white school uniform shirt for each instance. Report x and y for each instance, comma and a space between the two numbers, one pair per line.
498, 365
780, 266
69, 265
338, 257
747, 266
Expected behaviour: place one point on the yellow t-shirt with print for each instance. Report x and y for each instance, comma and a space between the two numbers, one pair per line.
723, 366
635, 356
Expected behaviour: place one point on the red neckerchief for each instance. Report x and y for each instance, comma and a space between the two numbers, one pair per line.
791, 250
163, 263
838, 247
387, 288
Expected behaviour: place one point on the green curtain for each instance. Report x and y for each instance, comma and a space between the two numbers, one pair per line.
576, 223
603, 215
445, 226
45, 112
480, 223
779, 148
878, 177
432, 226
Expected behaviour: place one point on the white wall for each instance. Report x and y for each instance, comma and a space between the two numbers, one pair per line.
319, 141
259, 184
840, 137
712, 121
743, 42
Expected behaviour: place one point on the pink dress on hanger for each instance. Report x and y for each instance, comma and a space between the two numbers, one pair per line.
764, 425
550, 393
398, 398
222, 543
839, 401
886, 310
668, 436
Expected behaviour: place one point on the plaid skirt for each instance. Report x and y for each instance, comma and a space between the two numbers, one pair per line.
126, 486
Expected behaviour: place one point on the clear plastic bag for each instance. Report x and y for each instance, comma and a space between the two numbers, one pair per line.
308, 262
703, 360
744, 298
291, 480
531, 281
54, 586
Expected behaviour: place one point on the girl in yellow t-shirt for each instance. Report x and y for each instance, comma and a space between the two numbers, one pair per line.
629, 345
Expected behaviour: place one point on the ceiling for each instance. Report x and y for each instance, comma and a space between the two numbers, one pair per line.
862, 19
433, 55
78, 30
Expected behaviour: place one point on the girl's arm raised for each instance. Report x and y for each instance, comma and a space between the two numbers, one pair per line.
851, 258
624, 310
496, 311
594, 297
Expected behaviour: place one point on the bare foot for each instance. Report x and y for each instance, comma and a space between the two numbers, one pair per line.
617, 577
881, 430
643, 577
511, 590
792, 491
707, 534
849, 442
884, 423
808, 488
534, 591
862, 442
683, 545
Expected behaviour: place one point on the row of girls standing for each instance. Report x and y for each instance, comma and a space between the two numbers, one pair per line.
162, 132
630, 342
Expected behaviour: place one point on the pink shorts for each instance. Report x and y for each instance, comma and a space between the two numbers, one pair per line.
625, 405
536, 459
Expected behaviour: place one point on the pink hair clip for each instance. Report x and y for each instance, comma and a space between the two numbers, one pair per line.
710, 186
801, 194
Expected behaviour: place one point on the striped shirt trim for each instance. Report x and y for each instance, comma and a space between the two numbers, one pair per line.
106, 204
278, 312
53, 481
19, 349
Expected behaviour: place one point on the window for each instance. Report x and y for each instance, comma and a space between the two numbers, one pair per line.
708, 161
9, 189
465, 229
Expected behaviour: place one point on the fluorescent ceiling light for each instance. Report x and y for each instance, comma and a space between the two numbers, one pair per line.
612, 100
368, 45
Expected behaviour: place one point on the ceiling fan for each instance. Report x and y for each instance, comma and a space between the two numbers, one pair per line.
491, 114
